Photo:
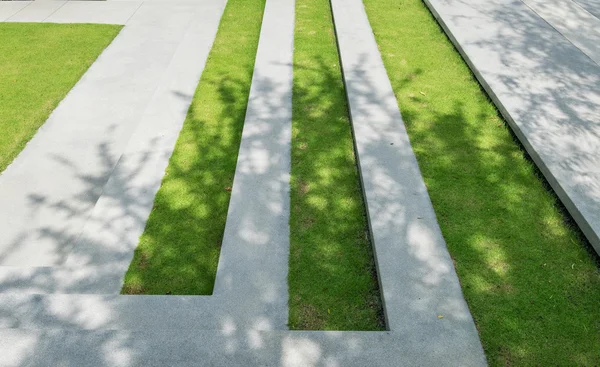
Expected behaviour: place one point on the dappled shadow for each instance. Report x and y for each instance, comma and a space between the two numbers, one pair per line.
524, 270
549, 93
331, 256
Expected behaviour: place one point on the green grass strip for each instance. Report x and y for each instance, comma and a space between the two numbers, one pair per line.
332, 278
532, 287
179, 249
39, 64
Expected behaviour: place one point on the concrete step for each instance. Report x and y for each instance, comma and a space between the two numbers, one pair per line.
135, 312
230, 348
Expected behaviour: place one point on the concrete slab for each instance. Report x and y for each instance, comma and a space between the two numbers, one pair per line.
544, 86
253, 264
573, 22
37, 11
416, 273
10, 8
228, 348
100, 12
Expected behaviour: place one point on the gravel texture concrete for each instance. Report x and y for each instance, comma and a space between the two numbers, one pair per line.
416, 273
253, 264
545, 87
170, 347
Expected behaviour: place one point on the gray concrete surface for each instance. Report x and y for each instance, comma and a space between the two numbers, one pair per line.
576, 24
253, 264
36, 11
592, 6
415, 271
10, 8
170, 347
546, 88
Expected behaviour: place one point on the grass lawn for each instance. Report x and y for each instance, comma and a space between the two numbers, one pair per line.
332, 280
532, 284
39, 64
179, 249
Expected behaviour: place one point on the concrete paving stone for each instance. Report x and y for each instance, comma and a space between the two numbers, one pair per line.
37, 11
416, 273
544, 86
187, 314
573, 22
10, 8
227, 348
253, 264
99, 12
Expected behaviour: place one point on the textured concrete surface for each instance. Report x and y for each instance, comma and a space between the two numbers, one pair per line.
415, 271
546, 88
228, 348
575, 23
253, 264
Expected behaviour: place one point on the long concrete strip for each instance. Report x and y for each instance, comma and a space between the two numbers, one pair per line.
416, 273
170, 347
544, 86
253, 264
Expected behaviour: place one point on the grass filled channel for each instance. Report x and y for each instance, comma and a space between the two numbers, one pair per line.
39, 64
179, 249
530, 282
332, 280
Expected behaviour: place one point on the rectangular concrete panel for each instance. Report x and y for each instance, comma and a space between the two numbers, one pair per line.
416, 273
253, 264
170, 347
544, 86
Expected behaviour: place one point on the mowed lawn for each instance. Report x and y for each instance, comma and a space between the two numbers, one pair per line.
39, 64
531, 281
179, 250
332, 278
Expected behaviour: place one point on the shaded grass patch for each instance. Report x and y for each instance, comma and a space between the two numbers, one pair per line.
39, 64
532, 286
332, 280
179, 249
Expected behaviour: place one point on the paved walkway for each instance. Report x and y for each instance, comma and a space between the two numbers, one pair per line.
60, 306
539, 62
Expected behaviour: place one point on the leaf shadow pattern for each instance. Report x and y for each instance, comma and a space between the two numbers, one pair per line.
528, 274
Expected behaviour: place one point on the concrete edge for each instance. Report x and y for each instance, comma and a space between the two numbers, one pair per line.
584, 225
